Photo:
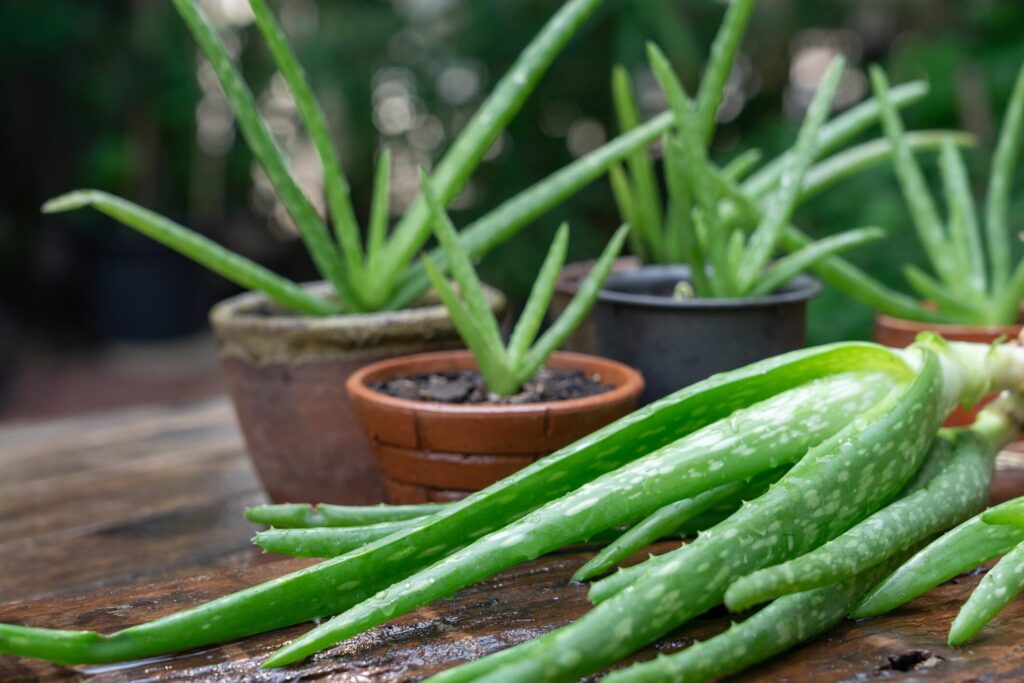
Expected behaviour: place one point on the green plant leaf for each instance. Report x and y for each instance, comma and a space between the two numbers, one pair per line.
575, 312
460, 265
314, 233
192, 245
919, 200
1003, 164
482, 130
379, 205
780, 206
954, 307
741, 166
788, 267
625, 202
963, 219
716, 74
646, 218
540, 297
681, 212
335, 183
490, 358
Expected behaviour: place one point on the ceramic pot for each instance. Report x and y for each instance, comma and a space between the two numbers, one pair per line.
431, 451
286, 374
900, 333
584, 338
675, 342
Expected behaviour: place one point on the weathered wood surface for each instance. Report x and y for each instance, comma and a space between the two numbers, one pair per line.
112, 520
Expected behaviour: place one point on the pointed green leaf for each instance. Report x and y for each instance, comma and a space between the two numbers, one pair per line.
379, 206
963, 218
1003, 165
540, 297
789, 266
723, 55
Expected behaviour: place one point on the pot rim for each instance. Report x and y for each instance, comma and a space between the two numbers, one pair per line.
358, 390
235, 312
910, 326
801, 288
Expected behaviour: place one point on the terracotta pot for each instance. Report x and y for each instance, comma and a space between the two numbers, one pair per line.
584, 339
900, 333
286, 374
430, 451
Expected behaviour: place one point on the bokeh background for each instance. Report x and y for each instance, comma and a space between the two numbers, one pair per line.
114, 95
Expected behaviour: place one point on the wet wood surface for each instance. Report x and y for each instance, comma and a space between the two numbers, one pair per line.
111, 520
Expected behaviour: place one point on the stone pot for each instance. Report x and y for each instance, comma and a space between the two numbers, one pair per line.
430, 451
584, 338
900, 333
675, 342
286, 374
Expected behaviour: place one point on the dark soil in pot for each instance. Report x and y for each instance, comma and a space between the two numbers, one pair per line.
677, 341
438, 451
286, 374
468, 387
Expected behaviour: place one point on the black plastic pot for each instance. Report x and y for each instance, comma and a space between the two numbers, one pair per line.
675, 342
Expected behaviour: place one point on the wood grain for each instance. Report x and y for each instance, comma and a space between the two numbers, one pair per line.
120, 518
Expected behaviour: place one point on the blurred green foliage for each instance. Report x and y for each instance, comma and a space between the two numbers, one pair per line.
106, 95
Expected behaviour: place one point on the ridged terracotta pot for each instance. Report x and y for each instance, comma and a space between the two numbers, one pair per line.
900, 333
286, 374
431, 451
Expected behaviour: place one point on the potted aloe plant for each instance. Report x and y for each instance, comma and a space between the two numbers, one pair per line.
446, 423
287, 348
973, 295
705, 292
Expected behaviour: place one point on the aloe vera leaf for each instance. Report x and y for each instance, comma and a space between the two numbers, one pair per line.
379, 205
625, 202
261, 142
997, 589
461, 267
302, 516
924, 214
956, 492
489, 355
965, 547
742, 165
842, 165
750, 441
723, 55
951, 305
490, 230
332, 586
466, 153
996, 205
783, 624
838, 132
963, 220
789, 266
537, 303
780, 206
880, 450
207, 253
325, 541
335, 183
574, 312
669, 519
693, 158
646, 216
681, 206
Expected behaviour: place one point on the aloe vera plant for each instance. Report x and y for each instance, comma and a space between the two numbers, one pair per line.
698, 224
972, 282
505, 368
378, 273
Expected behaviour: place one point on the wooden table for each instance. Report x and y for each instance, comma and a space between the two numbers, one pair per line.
110, 520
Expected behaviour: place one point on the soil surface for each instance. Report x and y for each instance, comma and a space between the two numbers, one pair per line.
467, 386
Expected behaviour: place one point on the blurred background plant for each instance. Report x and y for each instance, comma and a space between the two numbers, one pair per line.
99, 94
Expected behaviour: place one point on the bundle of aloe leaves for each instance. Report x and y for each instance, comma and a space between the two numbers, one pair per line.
805, 458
